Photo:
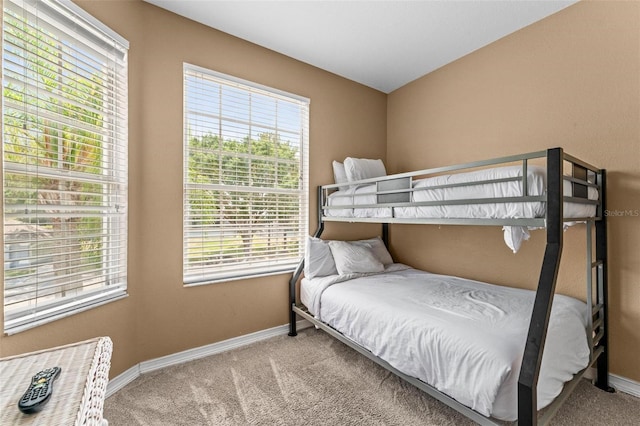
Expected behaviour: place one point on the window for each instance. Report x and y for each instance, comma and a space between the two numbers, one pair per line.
64, 133
245, 178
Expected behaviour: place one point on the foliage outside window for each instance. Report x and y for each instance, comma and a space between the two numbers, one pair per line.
245, 178
64, 162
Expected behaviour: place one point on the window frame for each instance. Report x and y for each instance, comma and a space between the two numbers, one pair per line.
76, 33
302, 191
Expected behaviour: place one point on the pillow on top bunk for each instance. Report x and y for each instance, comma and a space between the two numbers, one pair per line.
363, 168
340, 175
354, 258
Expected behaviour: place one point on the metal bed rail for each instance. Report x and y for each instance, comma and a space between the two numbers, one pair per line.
394, 191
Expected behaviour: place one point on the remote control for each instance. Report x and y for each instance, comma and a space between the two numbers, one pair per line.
39, 391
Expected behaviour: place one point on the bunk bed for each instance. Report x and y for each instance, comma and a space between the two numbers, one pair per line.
548, 190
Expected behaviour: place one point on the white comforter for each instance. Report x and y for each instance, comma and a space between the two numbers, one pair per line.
463, 337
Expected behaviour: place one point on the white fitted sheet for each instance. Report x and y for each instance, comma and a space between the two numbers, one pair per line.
513, 235
463, 337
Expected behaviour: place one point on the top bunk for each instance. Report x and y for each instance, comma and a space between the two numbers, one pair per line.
518, 192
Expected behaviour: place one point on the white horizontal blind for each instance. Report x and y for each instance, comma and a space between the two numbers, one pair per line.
64, 162
245, 178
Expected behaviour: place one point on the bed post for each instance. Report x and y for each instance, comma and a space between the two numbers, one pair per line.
385, 234
534, 347
300, 268
602, 379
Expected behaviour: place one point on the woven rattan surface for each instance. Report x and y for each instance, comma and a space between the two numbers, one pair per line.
78, 393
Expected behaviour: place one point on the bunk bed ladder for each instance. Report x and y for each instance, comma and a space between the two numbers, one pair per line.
534, 346
600, 314
598, 327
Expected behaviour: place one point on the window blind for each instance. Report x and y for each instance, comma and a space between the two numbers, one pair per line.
245, 178
64, 162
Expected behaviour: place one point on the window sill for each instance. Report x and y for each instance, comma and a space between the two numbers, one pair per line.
22, 326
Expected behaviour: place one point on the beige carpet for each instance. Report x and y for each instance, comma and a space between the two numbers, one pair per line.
312, 379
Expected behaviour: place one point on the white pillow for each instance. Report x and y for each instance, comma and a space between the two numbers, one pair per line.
378, 249
340, 175
318, 260
363, 168
353, 258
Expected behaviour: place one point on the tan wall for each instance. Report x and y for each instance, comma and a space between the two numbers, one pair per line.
571, 80
160, 316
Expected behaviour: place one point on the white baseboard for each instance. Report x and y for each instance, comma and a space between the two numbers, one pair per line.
122, 380
132, 373
625, 385
621, 384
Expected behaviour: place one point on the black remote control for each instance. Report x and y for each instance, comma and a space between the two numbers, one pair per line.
39, 391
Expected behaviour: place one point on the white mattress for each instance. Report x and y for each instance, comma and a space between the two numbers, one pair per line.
463, 337
536, 181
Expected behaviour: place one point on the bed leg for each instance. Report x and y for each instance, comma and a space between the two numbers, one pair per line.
292, 323
292, 298
527, 414
602, 376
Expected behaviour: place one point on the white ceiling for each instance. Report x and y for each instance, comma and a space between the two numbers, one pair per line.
381, 44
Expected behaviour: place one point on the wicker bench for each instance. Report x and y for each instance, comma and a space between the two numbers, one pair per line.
78, 393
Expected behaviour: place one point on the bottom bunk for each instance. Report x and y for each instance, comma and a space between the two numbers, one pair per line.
460, 340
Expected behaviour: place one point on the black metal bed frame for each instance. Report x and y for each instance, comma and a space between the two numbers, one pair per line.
534, 347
